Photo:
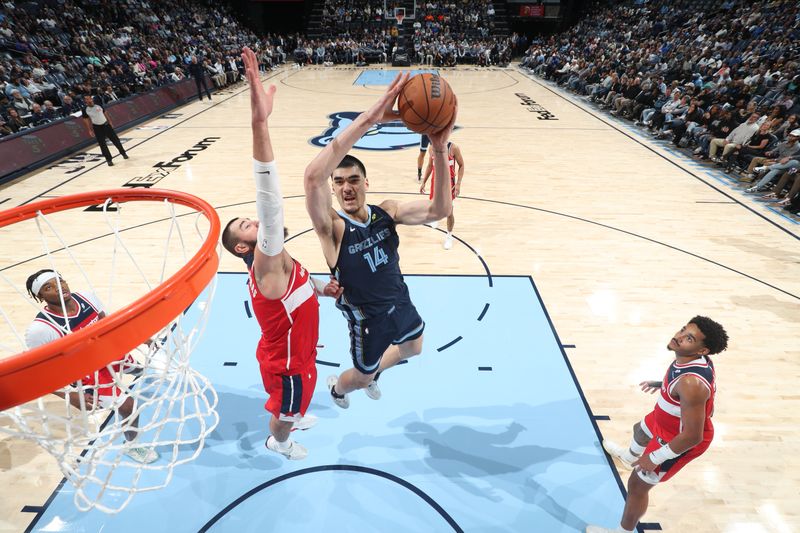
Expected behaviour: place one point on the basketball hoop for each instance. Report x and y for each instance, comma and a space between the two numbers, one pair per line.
399, 14
144, 345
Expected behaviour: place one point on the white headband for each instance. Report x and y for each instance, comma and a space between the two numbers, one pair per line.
40, 280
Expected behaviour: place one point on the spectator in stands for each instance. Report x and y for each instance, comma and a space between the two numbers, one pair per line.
217, 73
15, 121
734, 140
16, 85
690, 119
50, 112
773, 172
781, 155
107, 95
788, 179
787, 126
68, 106
756, 146
20, 103
4, 128
37, 117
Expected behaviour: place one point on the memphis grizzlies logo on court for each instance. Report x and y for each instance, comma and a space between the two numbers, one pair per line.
389, 136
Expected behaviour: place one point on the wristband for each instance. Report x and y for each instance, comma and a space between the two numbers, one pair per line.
662, 454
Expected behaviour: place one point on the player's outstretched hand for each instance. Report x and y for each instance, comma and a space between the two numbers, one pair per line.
260, 100
439, 139
422, 189
333, 289
383, 110
650, 386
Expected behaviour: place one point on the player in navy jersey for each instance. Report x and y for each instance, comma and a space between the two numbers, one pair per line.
63, 313
679, 428
360, 245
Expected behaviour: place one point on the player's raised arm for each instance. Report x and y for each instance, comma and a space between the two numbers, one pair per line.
423, 211
269, 253
318, 193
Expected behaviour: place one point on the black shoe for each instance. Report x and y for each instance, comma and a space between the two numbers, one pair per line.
125, 156
110, 163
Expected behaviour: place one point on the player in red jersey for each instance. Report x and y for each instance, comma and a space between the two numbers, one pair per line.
284, 295
63, 313
679, 428
454, 158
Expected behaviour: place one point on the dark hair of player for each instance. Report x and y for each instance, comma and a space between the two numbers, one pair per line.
716, 337
350, 161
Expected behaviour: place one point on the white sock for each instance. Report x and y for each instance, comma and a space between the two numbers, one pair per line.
282, 446
636, 449
623, 530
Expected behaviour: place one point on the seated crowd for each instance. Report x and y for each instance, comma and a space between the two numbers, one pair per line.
721, 80
440, 34
53, 52
356, 18
471, 18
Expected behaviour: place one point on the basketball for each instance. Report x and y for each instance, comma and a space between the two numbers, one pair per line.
426, 103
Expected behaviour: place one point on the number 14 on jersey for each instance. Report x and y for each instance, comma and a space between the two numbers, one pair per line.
376, 258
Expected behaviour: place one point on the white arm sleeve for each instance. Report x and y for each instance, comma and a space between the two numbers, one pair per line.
269, 207
319, 285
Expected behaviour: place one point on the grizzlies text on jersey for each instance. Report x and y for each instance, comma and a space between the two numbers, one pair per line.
368, 266
375, 300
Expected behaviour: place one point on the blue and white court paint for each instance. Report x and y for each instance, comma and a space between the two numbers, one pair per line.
386, 77
486, 431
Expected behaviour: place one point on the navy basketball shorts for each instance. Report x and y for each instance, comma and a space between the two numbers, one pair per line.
370, 337
423, 143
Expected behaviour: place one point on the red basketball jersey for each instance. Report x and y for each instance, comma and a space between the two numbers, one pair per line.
289, 324
49, 326
668, 409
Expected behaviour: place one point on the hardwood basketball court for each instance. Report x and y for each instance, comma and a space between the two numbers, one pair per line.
625, 241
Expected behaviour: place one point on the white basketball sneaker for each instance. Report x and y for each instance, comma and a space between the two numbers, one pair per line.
307, 422
344, 401
142, 454
448, 242
373, 391
620, 453
294, 451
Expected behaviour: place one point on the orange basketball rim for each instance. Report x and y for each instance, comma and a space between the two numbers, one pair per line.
35, 373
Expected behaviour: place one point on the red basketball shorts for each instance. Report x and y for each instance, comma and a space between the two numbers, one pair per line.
290, 395
669, 468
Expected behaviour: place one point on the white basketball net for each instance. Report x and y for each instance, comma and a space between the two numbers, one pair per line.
174, 405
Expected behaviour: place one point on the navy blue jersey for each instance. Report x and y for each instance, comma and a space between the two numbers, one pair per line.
368, 266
